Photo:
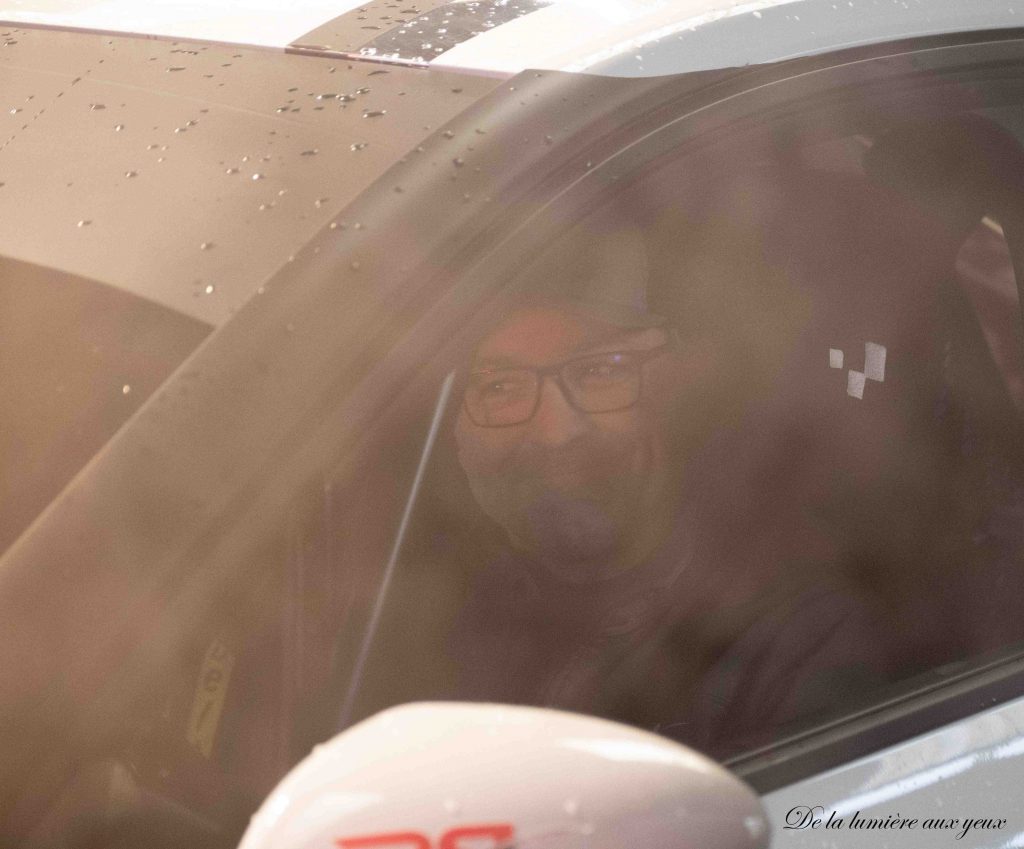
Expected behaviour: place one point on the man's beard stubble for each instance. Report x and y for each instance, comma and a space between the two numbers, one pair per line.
574, 508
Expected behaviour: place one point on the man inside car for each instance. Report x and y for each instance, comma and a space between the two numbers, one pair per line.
597, 437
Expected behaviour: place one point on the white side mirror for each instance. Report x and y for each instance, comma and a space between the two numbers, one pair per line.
476, 776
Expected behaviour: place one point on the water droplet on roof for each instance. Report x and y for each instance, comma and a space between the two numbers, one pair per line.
126, 389
205, 246
85, 222
257, 176
376, 113
131, 174
231, 171
358, 146
320, 202
118, 127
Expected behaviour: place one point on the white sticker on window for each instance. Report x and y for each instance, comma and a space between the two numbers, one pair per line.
855, 384
874, 361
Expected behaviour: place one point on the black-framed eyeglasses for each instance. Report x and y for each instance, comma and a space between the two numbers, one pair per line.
594, 383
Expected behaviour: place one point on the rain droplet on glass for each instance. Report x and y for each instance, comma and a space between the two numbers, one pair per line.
358, 146
85, 222
131, 174
257, 176
125, 389
205, 246
312, 152
231, 171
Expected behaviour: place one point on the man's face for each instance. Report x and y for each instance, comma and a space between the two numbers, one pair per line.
587, 493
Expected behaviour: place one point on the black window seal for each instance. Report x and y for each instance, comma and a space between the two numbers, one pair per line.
926, 707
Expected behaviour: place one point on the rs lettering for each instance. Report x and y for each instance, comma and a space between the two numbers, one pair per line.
465, 837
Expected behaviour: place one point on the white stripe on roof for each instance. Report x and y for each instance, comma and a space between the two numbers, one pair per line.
574, 35
267, 23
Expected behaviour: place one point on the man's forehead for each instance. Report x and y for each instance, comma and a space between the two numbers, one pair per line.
538, 335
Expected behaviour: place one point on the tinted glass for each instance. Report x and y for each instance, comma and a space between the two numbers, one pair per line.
816, 496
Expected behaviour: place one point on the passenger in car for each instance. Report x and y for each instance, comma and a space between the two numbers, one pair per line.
709, 527
597, 437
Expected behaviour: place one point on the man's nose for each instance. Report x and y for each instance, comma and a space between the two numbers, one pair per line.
556, 421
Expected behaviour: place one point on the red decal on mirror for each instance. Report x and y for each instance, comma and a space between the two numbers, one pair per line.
403, 839
465, 837
500, 834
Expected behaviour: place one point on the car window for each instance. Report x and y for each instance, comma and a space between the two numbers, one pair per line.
743, 454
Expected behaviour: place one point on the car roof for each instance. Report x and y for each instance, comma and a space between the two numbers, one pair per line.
188, 174
504, 37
